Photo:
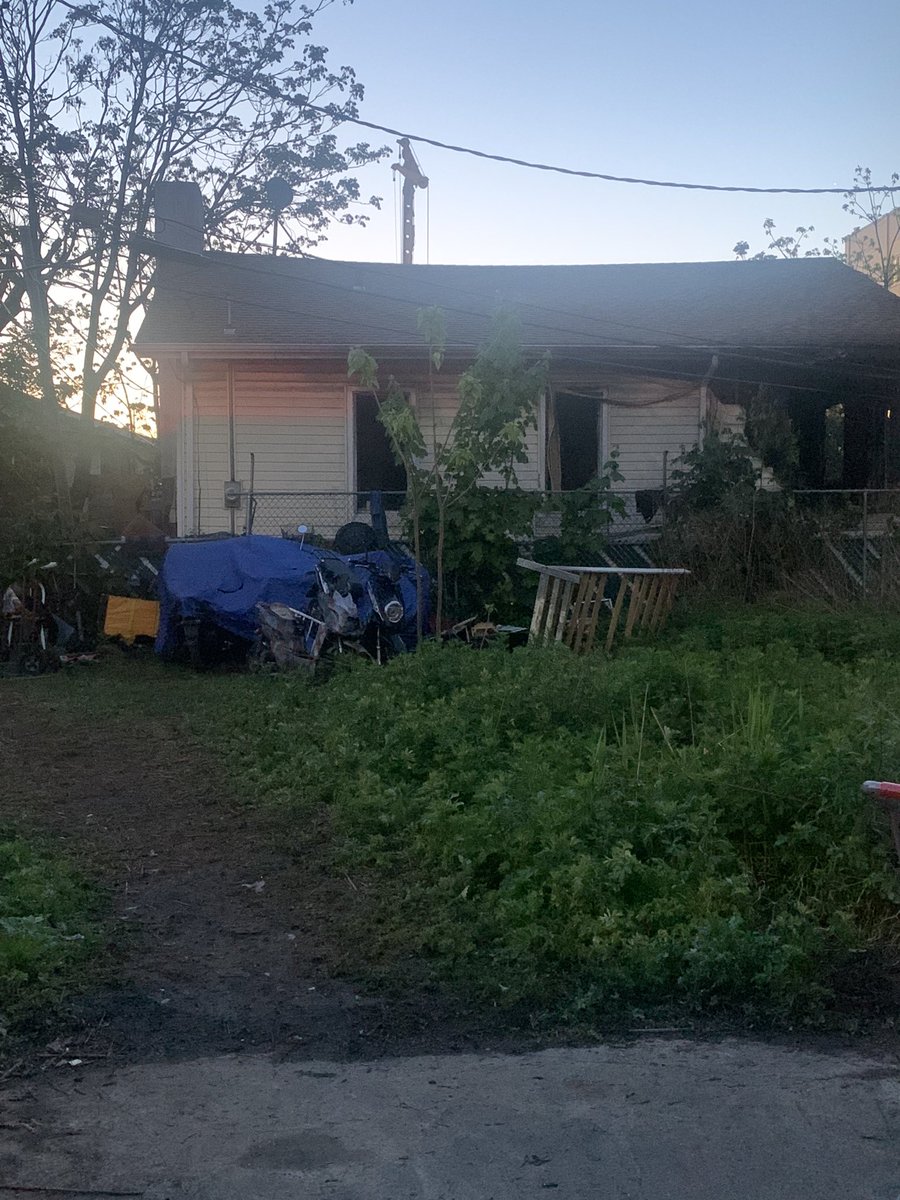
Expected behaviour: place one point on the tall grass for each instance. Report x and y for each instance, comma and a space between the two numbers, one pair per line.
683, 823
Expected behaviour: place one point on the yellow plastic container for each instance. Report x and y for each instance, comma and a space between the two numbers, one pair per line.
128, 618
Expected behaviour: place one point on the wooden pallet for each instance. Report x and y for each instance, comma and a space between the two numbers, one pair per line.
553, 602
570, 601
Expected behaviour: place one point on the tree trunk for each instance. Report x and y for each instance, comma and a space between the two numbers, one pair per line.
81, 481
439, 572
40, 323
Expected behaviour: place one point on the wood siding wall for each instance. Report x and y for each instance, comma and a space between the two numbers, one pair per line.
647, 435
209, 397
295, 418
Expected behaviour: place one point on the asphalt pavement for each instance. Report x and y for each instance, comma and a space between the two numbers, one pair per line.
655, 1120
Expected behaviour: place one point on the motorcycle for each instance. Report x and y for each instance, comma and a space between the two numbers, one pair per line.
356, 608
287, 638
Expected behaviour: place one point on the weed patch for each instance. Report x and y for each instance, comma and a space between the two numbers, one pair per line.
681, 824
48, 934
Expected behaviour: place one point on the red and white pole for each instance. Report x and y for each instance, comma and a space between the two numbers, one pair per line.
888, 796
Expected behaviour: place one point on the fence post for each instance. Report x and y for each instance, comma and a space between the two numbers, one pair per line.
865, 543
665, 487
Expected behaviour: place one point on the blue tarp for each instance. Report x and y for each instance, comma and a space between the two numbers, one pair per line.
223, 580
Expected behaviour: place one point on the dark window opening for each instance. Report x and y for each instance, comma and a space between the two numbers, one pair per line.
578, 426
376, 467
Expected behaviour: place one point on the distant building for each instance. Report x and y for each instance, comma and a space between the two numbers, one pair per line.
875, 250
123, 466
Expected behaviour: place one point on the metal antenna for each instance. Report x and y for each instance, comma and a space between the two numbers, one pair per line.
279, 196
413, 178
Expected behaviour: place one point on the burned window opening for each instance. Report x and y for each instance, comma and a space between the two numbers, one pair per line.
376, 467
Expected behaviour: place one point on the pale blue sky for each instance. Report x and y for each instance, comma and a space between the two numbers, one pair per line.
793, 93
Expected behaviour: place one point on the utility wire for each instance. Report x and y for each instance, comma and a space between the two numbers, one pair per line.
273, 92
581, 174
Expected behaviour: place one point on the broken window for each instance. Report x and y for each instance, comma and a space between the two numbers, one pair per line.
573, 440
376, 467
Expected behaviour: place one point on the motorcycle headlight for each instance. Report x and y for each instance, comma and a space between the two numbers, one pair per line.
393, 612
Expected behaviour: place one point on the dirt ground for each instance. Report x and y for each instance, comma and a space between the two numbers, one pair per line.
225, 937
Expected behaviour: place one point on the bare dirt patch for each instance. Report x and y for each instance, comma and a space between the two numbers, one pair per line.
228, 930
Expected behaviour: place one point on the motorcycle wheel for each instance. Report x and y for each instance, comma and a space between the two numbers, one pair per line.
260, 660
30, 661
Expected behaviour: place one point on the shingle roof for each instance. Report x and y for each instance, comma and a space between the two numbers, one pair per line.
319, 304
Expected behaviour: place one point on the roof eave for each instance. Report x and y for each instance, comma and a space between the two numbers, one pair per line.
296, 350
417, 349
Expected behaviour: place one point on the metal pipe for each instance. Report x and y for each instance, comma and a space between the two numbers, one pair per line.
248, 520
865, 543
619, 570
231, 449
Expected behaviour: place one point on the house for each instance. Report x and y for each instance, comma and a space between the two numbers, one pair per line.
252, 357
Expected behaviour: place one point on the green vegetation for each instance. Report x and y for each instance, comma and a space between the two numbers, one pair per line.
682, 824
47, 931
498, 405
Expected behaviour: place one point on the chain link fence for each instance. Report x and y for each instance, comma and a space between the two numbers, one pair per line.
836, 545
637, 514
853, 542
323, 513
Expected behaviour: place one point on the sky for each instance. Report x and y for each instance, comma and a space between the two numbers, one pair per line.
795, 94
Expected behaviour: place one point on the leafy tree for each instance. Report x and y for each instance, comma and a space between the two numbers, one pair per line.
498, 401
585, 516
99, 102
29, 518
790, 245
706, 474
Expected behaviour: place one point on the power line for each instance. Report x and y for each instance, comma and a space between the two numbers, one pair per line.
273, 92
607, 178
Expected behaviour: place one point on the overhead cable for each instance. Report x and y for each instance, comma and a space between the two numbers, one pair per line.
274, 92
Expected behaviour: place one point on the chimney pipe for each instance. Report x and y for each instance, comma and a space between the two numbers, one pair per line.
179, 215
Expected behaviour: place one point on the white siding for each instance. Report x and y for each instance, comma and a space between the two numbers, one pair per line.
647, 434
295, 425
294, 422
210, 405
295, 418
439, 417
